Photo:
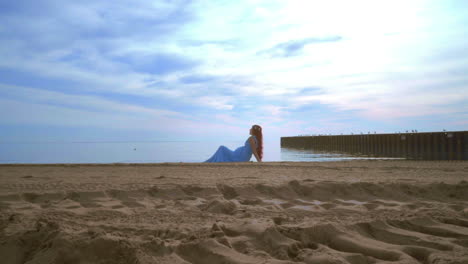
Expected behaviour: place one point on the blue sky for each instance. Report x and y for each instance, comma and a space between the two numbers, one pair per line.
185, 70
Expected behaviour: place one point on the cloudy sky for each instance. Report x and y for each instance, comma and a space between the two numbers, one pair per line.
172, 70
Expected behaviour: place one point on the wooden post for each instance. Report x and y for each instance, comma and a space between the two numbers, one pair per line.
404, 145
465, 145
419, 141
376, 145
458, 146
430, 147
355, 144
423, 145
437, 146
337, 143
450, 147
359, 144
407, 146
367, 138
386, 146
391, 145
342, 143
362, 144
397, 144
444, 146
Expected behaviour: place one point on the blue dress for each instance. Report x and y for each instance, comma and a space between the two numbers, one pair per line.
224, 154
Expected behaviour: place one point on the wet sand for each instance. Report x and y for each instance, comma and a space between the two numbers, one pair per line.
328, 212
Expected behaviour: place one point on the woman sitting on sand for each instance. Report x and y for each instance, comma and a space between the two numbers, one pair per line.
253, 145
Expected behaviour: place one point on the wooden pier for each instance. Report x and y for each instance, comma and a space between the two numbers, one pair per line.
447, 145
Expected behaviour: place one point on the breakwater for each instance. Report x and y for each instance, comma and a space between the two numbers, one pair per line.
447, 145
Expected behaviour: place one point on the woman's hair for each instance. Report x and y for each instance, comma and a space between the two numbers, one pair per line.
257, 132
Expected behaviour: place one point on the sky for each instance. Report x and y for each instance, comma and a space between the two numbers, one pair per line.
208, 70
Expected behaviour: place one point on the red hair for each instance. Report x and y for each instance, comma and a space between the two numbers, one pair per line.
257, 132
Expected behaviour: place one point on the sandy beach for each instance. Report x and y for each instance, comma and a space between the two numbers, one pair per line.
325, 212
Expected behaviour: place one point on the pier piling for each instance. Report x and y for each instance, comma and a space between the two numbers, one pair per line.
450, 145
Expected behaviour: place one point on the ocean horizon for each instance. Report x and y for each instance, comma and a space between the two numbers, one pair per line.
49, 152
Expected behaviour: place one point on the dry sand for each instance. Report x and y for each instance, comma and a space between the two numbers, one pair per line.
336, 212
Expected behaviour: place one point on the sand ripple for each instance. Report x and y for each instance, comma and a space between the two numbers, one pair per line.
296, 222
271, 215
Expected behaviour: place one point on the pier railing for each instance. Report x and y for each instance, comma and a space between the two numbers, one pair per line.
447, 145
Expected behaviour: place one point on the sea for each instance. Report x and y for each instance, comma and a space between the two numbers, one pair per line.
145, 152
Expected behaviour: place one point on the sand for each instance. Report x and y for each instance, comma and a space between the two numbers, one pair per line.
334, 212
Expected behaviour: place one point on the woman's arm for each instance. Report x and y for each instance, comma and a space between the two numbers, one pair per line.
253, 146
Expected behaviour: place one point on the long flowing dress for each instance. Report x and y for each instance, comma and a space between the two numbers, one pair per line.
224, 154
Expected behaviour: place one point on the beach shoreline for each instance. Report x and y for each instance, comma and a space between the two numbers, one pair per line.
365, 211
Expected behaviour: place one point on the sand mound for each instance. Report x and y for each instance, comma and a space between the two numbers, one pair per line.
219, 206
48, 243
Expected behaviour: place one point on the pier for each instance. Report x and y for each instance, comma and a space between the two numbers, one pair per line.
447, 145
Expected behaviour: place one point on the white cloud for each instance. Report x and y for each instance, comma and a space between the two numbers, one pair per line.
220, 103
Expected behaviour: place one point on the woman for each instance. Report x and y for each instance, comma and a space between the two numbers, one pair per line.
253, 145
